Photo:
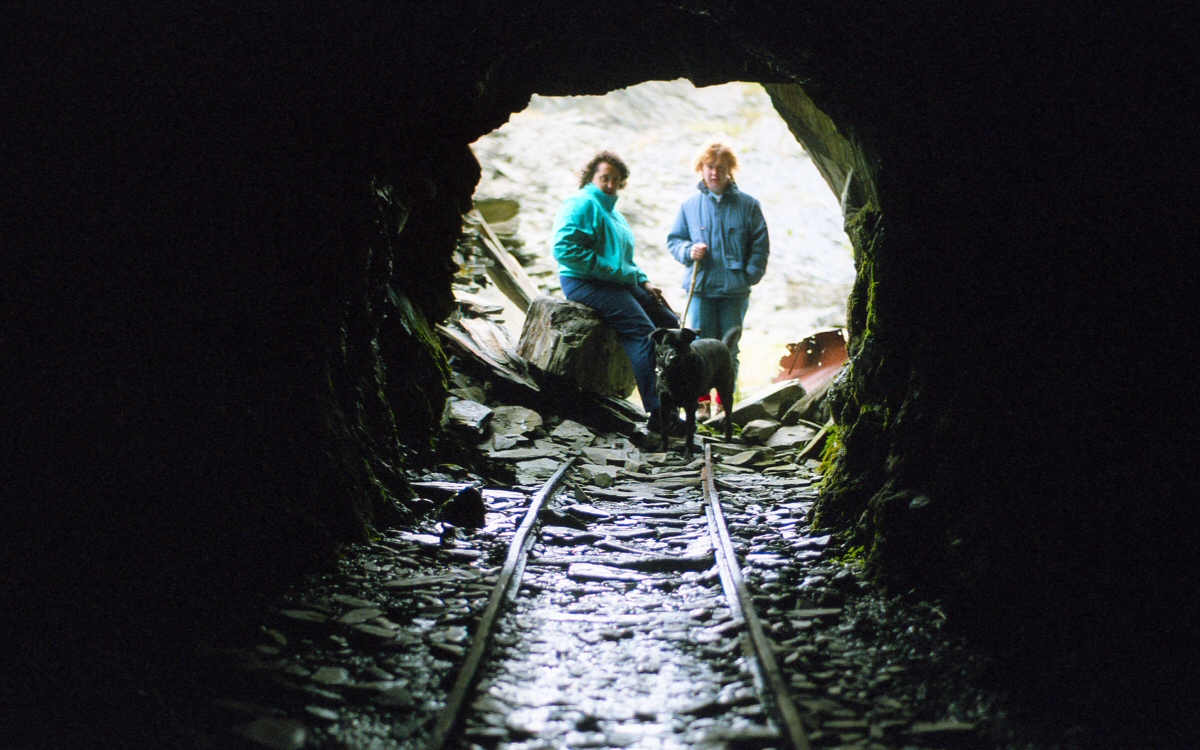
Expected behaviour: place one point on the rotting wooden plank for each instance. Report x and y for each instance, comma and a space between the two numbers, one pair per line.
742, 605
510, 576
508, 274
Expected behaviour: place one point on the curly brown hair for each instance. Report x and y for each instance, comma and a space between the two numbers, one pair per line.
603, 157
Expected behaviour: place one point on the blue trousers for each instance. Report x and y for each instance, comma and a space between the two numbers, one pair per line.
634, 313
714, 316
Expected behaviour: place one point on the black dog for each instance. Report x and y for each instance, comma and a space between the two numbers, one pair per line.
689, 368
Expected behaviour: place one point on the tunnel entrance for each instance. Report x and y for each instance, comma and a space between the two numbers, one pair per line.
531, 165
226, 355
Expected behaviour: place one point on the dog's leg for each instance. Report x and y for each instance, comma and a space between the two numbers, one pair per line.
664, 410
690, 433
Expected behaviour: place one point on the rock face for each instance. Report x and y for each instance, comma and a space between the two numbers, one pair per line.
568, 339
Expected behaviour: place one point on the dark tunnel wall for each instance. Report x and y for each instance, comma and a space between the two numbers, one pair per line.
208, 383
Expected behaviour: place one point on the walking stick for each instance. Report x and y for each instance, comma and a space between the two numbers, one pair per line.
691, 291
692, 288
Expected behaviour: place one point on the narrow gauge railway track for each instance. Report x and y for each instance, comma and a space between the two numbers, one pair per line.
610, 622
709, 549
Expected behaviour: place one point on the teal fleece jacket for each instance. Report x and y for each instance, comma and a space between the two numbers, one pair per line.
593, 241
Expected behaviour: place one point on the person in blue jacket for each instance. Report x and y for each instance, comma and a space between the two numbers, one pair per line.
721, 237
593, 245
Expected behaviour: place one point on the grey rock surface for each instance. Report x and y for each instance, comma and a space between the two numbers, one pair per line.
759, 431
466, 417
769, 402
791, 437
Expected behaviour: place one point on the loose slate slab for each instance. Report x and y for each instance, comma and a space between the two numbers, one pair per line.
515, 454
808, 614
378, 631
589, 471
304, 615
635, 561
564, 537
421, 540
812, 541
570, 431
744, 458
466, 417
592, 572
515, 420
941, 733
331, 676
414, 581
589, 513
759, 431
603, 456
792, 437
541, 467
357, 616
787, 483
770, 402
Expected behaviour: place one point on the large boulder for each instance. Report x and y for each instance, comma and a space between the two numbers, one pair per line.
568, 339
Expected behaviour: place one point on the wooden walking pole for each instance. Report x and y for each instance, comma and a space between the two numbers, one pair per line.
692, 287
691, 291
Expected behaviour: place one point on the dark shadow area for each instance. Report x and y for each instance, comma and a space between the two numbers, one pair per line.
227, 234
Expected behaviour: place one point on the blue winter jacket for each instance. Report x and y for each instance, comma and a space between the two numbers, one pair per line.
736, 235
592, 239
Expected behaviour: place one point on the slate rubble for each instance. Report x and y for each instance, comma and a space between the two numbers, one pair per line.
609, 644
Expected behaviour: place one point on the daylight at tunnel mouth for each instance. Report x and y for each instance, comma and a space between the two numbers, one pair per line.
266, 451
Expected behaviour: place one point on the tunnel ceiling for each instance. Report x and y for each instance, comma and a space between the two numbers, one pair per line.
212, 383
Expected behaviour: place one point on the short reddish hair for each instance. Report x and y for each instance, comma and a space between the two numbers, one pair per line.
717, 153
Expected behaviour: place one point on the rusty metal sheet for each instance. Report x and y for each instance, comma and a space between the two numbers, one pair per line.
815, 360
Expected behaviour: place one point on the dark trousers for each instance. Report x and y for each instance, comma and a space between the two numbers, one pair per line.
713, 317
634, 313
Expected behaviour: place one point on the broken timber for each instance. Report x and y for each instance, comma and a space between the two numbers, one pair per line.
485, 350
508, 275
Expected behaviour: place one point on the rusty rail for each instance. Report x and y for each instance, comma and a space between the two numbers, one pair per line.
506, 587
771, 688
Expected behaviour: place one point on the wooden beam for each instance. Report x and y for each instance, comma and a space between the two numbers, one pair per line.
508, 275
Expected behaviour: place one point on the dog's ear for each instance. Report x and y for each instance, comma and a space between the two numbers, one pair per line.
687, 335
657, 335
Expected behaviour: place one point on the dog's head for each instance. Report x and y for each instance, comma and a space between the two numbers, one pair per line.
670, 344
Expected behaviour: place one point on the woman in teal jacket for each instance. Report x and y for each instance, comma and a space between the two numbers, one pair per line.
593, 245
721, 236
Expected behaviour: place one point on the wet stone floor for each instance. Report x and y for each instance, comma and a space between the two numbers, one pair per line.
620, 635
